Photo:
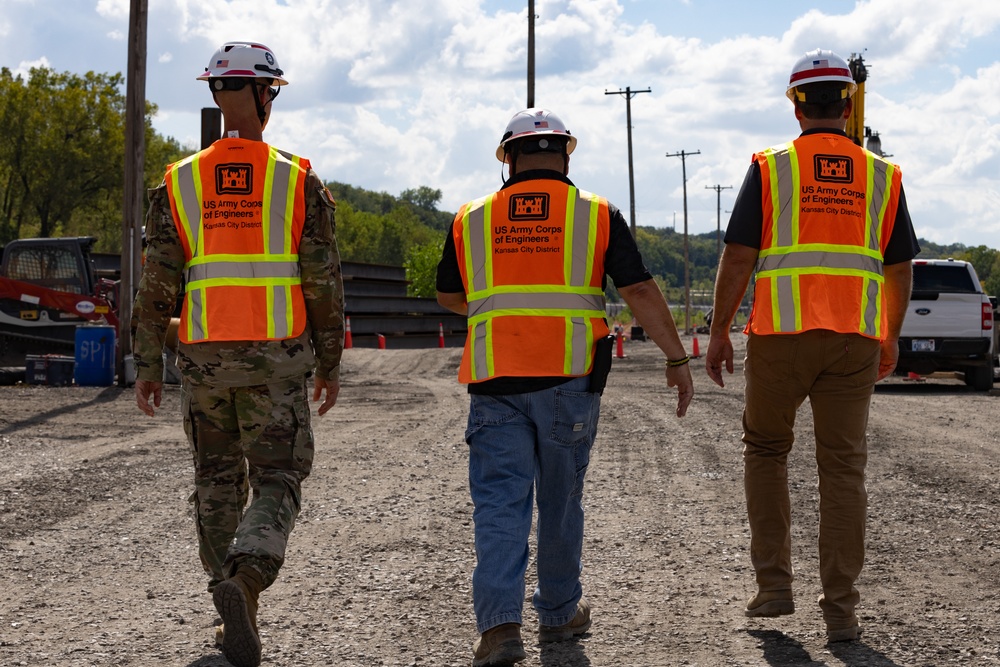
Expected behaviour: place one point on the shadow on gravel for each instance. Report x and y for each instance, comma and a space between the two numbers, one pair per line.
780, 649
105, 396
564, 654
210, 661
860, 654
926, 388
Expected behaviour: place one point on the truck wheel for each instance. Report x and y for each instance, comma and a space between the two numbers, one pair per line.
979, 378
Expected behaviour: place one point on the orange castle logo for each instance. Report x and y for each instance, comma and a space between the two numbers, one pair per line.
529, 206
833, 168
234, 179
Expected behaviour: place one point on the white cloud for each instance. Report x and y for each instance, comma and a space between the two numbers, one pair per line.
114, 9
24, 68
389, 95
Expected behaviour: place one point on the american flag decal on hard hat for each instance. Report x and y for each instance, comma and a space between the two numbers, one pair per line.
541, 123
821, 63
222, 63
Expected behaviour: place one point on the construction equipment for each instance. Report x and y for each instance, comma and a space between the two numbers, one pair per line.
856, 123
48, 286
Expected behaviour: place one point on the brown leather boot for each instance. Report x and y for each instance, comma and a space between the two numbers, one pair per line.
236, 600
498, 646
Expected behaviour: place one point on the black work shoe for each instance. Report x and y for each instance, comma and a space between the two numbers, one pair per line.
768, 604
240, 644
576, 627
499, 646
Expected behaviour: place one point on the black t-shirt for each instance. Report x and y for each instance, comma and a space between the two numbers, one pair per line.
622, 263
746, 224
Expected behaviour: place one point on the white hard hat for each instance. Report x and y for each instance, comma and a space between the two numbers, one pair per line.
533, 123
820, 66
244, 60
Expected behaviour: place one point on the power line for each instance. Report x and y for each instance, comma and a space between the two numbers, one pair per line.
718, 217
628, 94
687, 268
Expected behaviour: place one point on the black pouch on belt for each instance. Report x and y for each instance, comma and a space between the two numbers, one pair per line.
602, 364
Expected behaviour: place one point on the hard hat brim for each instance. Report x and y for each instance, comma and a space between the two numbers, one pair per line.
570, 143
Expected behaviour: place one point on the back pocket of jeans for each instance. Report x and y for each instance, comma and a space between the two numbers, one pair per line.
573, 419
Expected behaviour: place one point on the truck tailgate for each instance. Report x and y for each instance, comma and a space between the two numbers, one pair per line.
946, 316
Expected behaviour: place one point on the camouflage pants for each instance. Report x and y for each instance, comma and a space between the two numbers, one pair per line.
259, 436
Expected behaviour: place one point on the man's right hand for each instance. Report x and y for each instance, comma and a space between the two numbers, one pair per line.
720, 352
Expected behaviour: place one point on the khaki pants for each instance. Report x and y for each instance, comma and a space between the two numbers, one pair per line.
837, 373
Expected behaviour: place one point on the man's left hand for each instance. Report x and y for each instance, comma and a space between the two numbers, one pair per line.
332, 388
888, 358
680, 377
143, 390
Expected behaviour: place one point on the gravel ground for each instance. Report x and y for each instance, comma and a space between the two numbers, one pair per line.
101, 567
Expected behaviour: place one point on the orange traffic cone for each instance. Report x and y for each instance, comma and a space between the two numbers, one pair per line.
694, 349
381, 341
620, 348
348, 342
440, 335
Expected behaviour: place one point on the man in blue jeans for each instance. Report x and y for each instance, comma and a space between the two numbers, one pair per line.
528, 265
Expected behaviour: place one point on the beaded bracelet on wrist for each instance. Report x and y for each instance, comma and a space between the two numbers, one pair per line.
674, 363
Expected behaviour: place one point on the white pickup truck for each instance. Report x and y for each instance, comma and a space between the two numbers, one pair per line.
948, 324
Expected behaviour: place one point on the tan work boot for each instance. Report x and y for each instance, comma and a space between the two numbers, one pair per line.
499, 646
578, 625
848, 634
236, 601
768, 604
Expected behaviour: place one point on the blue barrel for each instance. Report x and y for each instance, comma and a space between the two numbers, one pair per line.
95, 356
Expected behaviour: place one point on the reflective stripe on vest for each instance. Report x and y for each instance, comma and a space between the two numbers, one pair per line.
576, 302
788, 259
276, 269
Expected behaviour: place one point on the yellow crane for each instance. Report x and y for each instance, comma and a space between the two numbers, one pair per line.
856, 123
856, 128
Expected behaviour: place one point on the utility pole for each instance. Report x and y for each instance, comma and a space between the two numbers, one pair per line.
687, 265
718, 218
531, 54
628, 93
135, 155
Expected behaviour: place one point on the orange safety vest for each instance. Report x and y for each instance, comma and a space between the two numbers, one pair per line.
829, 208
532, 262
239, 208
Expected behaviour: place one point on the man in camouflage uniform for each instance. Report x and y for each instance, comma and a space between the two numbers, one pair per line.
244, 402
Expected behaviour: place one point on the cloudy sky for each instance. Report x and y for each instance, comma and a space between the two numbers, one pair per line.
393, 95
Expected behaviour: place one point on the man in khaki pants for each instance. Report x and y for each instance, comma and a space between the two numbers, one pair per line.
823, 226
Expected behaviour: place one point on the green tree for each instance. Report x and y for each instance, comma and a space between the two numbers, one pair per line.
380, 239
62, 155
424, 202
65, 144
421, 268
992, 284
982, 260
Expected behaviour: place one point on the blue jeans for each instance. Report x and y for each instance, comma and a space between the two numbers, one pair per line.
520, 444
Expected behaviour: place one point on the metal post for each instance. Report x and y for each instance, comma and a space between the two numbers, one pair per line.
135, 155
687, 263
628, 93
718, 218
211, 126
531, 54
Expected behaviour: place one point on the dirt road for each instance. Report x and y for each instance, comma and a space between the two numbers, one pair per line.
100, 565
